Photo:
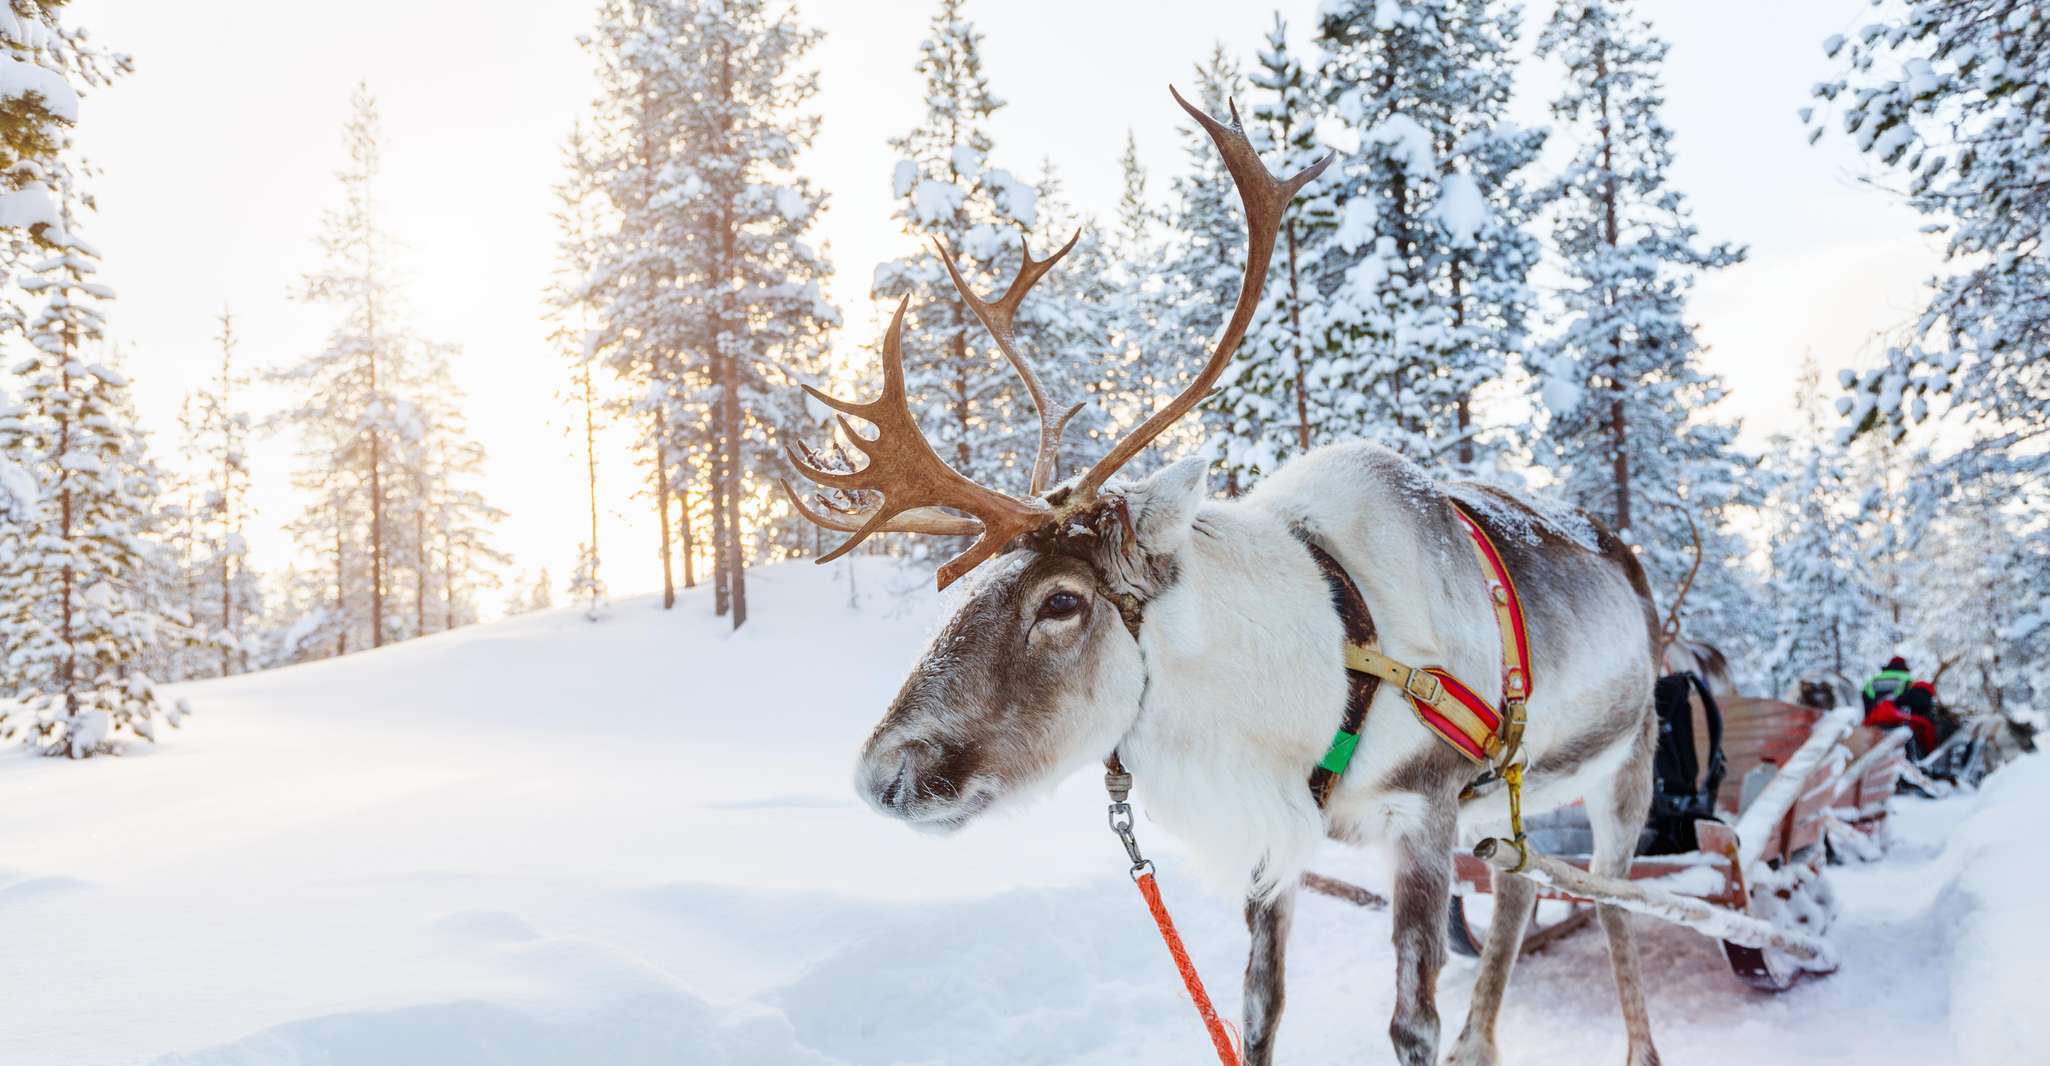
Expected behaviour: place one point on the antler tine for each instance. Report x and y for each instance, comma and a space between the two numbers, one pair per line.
998, 317
913, 481
1265, 199
917, 520
1670, 631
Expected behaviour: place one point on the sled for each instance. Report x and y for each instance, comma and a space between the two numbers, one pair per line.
1808, 786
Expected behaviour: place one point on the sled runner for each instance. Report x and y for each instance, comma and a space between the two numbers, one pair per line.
1802, 786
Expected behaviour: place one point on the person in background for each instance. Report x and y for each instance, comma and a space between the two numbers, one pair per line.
1895, 697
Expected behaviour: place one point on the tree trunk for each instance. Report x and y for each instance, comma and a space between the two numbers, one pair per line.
1295, 328
683, 527
341, 587
662, 505
420, 573
67, 578
591, 468
721, 591
1619, 433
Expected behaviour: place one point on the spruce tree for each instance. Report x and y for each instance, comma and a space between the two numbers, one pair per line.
570, 303
1426, 291
948, 187
1949, 99
51, 65
1623, 378
388, 467
228, 591
747, 271
632, 264
1270, 400
73, 577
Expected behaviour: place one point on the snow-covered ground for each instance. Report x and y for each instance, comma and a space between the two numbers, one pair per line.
545, 841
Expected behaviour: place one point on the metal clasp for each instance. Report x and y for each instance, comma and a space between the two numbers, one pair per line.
1121, 824
1415, 687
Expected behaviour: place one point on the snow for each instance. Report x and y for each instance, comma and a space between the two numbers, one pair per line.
1017, 198
934, 201
903, 177
18, 79
1408, 144
548, 841
28, 206
18, 493
1460, 208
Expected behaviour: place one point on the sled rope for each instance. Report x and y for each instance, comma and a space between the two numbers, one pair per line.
1118, 783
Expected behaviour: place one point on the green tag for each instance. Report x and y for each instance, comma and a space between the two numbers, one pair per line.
1340, 755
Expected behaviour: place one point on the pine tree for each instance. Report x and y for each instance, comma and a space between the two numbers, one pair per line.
1267, 397
949, 189
632, 264
747, 272
1623, 379
50, 66
389, 467
1207, 248
1822, 611
75, 623
1950, 97
1427, 291
577, 206
228, 592
346, 414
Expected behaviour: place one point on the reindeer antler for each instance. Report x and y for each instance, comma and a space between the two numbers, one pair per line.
997, 318
1670, 631
915, 483
910, 476
1265, 198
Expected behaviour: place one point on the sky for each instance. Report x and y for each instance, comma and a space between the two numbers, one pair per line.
218, 153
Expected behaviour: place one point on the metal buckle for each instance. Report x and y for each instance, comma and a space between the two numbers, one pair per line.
1428, 695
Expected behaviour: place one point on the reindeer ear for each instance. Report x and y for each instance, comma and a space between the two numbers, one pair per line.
1164, 505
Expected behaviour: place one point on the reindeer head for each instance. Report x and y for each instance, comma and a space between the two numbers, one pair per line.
1040, 668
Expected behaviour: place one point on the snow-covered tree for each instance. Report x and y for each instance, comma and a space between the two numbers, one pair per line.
1426, 294
1952, 99
1266, 400
742, 217
74, 621
48, 65
227, 596
388, 468
570, 303
1623, 378
1823, 614
948, 187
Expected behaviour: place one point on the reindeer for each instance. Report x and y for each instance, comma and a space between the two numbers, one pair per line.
1198, 640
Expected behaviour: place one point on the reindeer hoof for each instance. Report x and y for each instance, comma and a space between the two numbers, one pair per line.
1473, 1053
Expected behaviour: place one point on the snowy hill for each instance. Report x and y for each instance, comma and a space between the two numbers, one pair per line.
548, 841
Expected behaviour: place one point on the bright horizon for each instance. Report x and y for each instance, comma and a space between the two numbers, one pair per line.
195, 212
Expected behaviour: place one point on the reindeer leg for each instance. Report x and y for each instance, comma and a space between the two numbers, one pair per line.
1423, 891
1616, 824
1514, 899
1268, 921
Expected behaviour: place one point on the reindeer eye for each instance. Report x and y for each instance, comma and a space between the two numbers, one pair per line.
1062, 604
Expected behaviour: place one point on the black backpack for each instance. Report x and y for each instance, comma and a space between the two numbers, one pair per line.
1681, 793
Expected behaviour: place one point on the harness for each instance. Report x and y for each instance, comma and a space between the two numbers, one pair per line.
1447, 706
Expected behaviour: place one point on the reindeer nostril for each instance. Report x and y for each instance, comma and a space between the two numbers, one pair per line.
894, 793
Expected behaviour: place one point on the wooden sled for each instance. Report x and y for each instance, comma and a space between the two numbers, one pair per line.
1809, 786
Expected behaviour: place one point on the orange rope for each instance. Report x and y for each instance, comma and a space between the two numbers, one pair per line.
1226, 1053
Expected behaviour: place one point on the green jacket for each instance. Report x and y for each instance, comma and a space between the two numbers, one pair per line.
1897, 684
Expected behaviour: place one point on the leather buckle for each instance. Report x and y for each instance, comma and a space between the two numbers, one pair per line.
1412, 686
